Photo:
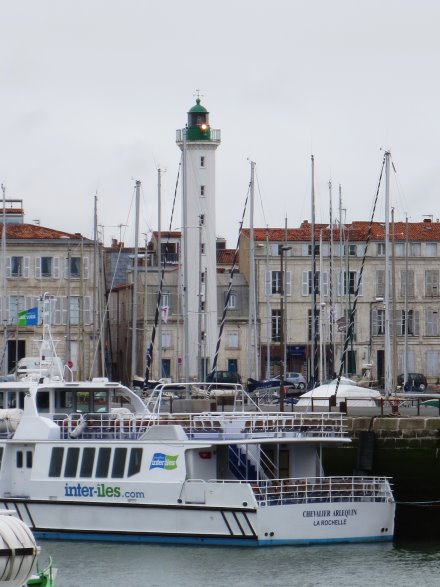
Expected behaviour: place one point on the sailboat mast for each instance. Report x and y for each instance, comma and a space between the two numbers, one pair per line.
387, 358
341, 275
159, 264
331, 312
253, 368
322, 305
185, 262
4, 288
314, 350
135, 286
405, 353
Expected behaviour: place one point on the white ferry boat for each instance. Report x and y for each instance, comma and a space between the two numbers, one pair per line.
89, 460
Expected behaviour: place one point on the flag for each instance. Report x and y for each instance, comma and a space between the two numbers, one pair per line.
164, 313
28, 317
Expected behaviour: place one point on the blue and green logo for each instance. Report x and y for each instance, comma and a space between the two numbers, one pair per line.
162, 461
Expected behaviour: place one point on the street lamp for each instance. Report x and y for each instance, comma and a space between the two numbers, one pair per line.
282, 249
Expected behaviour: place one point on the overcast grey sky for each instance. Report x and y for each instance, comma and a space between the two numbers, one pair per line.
92, 92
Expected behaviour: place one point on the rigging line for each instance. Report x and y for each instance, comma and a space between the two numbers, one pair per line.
261, 200
359, 281
150, 347
111, 286
228, 292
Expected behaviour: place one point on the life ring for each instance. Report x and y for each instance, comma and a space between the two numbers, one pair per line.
80, 427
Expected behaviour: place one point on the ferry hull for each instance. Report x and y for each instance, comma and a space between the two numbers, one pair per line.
183, 524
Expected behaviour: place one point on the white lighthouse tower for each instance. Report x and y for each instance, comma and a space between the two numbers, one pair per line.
198, 142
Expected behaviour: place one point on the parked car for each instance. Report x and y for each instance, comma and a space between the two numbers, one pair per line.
224, 377
415, 382
297, 379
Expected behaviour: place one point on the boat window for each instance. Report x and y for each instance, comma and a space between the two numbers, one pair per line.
56, 460
29, 459
88, 459
100, 401
21, 395
42, 400
103, 462
1, 456
83, 401
19, 459
134, 466
119, 463
71, 465
63, 401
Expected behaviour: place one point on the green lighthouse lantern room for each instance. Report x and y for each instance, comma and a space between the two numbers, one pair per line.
198, 123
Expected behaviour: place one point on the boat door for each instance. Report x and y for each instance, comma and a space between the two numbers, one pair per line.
22, 469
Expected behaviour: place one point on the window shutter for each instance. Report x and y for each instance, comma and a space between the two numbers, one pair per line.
64, 310
8, 309
56, 267
268, 280
416, 323
66, 268
358, 273
58, 318
360, 250
325, 249
305, 250
86, 268
288, 283
38, 268
8, 266
305, 283
26, 267
339, 283
87, 314
324, 283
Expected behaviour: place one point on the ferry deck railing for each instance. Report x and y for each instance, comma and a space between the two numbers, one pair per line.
271, 492
226, 426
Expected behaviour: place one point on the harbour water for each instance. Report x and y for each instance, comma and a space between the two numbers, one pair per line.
406, 564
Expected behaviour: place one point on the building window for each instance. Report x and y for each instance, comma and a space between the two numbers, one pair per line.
380, 249
379, 321
407, 283
75, 267
352, 250
350, 283
165, 299
432, 363
46, 266
399, 249
380, 283
166, 340
415, 249
307, 284
408, 321
233, 339
309, 324
202, 190
273, 282
74, 310
431, 322
202, 161
17, 266
431, 249
232, 301
276, 325
431, 283
16, 305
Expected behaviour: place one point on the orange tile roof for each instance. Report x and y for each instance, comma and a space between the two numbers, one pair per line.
34, 231
225, 257
356, 231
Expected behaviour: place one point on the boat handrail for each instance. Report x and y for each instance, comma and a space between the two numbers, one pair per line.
318, 489
222, 425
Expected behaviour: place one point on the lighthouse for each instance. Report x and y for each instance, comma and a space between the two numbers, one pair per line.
198, 142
